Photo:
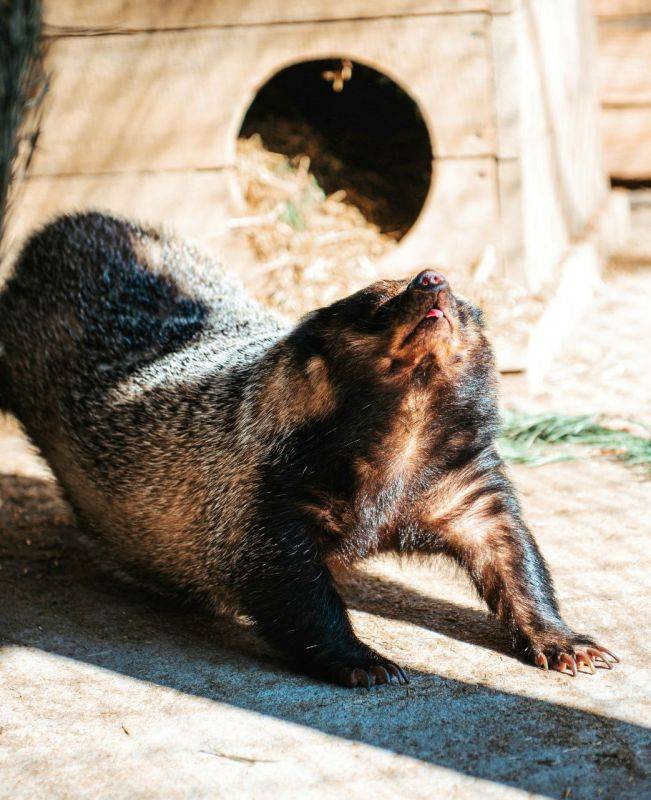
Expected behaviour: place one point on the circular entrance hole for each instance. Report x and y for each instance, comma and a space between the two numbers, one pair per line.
362, 133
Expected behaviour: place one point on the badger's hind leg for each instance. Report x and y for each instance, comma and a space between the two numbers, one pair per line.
287, 590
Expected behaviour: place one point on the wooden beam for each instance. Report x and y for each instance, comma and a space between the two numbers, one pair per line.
147, 15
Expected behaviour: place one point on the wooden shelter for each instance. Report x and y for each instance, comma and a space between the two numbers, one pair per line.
147, 98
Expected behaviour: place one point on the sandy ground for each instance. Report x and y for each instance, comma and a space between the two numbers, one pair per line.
108, 693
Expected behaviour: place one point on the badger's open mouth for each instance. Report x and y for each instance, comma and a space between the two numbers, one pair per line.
437, 311
429, 316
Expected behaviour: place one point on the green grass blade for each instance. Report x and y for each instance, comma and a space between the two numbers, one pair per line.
537, 439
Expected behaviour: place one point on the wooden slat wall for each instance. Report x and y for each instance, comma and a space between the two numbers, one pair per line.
624, 28
146, 99
174, 100
194, 203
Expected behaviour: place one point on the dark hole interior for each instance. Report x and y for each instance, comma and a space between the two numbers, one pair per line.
369, 138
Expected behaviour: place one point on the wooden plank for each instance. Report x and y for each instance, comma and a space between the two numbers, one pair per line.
176, 100
197, 204
627, 142
562, 171
625, 64
459, 220
621, 8
507, 76
133, 15
504, 6
510, 246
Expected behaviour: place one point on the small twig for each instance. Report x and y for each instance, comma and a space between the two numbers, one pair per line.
239, 759
255, 221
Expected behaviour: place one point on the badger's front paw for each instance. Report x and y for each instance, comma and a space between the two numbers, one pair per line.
372, 674
369, 669
570, 653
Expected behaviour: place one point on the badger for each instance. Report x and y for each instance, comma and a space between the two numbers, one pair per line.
207, 445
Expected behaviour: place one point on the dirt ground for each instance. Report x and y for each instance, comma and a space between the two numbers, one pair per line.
108, 693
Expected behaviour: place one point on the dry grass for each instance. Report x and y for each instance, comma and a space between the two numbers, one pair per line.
311, 249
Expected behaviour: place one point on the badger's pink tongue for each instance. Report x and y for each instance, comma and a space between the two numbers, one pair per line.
434, 312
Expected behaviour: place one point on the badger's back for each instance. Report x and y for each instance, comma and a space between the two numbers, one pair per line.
97, 297
125, 354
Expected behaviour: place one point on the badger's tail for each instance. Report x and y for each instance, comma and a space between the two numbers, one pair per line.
22, 87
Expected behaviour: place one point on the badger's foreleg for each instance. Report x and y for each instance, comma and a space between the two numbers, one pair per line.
287, 590
472, 515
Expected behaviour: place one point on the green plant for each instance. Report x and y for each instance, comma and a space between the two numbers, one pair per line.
541, 438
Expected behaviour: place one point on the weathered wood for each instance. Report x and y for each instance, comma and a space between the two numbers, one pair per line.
132, 15
625, 86
504, 6
625, 64
507, 72
621, 8
552, 176
459, 219
509, 239
197, 204
627, 142
175, 100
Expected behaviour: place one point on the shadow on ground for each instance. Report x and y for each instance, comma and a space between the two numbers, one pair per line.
53, 601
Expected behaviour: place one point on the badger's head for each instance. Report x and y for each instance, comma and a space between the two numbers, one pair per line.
398, 333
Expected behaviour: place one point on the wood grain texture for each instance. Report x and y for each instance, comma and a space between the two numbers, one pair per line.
562, 165
627, 142
132, 15
459, 219
625, 86
507, 71
171, 101
197, 204
625, 64
621, 8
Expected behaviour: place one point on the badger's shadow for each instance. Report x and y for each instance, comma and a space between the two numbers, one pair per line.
52, 600
387, 598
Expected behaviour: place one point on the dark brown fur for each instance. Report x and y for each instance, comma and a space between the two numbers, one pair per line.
203, 442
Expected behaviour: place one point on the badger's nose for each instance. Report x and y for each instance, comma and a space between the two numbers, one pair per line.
429, 281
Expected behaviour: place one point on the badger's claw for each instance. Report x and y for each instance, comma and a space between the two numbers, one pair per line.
583, 658
599, 652
541, 661
566, 664
571, 657
360, 677
373, 674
